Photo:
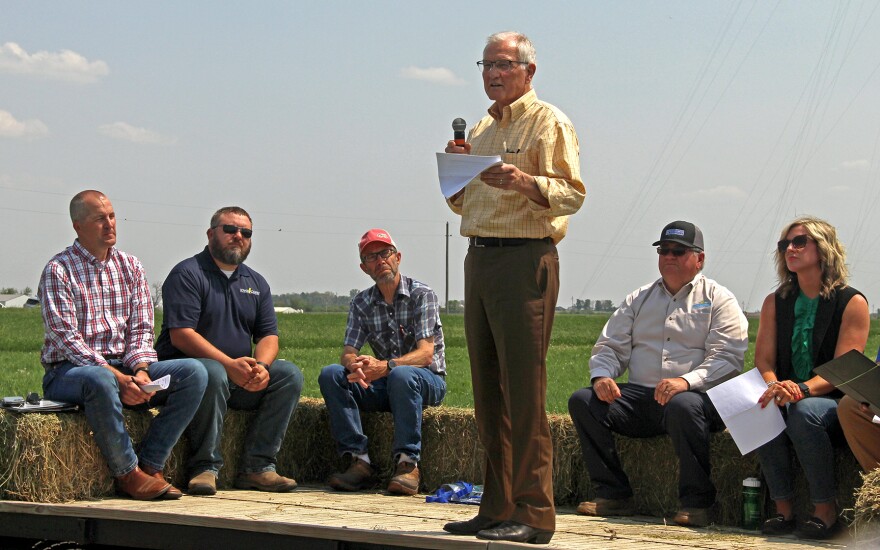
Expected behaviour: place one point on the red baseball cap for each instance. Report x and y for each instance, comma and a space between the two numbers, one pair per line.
374, 236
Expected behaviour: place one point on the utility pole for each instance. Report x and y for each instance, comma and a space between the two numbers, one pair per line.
447, 267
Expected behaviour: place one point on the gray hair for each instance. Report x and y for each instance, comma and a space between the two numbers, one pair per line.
78, 207
523, 44
229, 210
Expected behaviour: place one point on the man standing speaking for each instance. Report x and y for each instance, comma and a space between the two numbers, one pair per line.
513, 215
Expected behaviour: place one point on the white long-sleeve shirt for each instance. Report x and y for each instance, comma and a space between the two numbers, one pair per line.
699, 334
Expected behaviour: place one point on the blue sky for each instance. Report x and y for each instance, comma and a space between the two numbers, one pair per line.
322, 119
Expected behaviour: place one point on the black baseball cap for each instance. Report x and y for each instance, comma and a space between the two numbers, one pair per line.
684, 233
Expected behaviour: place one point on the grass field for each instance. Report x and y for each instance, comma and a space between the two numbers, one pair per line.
314, 340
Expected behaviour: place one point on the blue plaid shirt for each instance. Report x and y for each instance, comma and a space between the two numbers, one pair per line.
393, 330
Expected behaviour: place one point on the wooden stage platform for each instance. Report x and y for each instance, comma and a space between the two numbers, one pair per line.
314, 517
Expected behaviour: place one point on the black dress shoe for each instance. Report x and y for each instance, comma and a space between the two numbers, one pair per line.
778, 525
516, 532
470, 527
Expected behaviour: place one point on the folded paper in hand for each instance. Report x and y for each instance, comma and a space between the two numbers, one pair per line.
156, 385
456, 171
736, 401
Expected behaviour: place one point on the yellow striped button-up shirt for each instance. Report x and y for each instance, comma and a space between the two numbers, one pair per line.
540, 140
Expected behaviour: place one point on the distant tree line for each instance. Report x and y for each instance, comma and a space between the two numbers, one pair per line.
586, 306
315, 301
10, 290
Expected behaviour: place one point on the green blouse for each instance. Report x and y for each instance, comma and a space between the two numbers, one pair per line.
802, 336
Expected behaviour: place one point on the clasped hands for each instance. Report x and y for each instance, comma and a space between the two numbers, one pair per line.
363, 369
781, 392
246, 373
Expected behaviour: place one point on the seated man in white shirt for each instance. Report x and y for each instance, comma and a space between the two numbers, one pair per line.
678, 336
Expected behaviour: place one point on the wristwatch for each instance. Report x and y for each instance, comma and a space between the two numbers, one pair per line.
391, 365
805, 389
139, 369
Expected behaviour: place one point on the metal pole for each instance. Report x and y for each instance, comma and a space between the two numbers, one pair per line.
447, 267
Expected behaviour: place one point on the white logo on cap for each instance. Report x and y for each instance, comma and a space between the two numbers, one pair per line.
679, 232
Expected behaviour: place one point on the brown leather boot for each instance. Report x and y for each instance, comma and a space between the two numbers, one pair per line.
405, 480
265, 481
204, 484
173, 493
140, 486
359, 476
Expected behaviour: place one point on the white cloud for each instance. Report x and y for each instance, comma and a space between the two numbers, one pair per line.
861, 165
25, 129
127, 132
718, 193
838, 189
436, 75
64, 65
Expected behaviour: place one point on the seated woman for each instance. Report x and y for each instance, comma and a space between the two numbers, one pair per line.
812, 318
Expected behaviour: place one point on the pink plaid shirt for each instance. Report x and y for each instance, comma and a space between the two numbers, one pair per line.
94, 309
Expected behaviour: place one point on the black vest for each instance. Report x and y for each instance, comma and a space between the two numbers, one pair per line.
825, 330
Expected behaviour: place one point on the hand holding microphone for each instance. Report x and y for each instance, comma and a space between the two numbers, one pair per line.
458, 143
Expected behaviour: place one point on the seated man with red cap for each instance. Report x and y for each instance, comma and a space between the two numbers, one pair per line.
400, 319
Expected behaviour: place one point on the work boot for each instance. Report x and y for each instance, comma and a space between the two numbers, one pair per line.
203, 484
268, 481
140, 486
173, 492
359, 476
606, 507
405, 480
692, 517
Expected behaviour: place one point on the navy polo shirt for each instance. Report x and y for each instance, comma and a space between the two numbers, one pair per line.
229, 312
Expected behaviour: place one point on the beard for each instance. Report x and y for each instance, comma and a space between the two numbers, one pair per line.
231, 255
387, 277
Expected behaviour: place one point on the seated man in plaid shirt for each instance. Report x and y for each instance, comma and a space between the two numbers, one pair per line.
399, 318
98, 350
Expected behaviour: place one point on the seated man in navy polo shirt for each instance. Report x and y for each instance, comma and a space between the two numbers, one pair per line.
399, 318
220, 311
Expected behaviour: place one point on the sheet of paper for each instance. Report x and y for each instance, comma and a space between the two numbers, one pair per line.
752, 428
456, 171
736, 401
156, 385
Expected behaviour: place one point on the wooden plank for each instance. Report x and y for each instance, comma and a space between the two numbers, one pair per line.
377, 518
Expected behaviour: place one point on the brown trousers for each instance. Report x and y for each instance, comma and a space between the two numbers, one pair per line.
862, 435
510, 300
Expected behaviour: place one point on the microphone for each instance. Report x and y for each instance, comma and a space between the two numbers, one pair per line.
458, 127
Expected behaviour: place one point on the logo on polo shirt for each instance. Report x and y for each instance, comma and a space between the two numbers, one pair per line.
249, 290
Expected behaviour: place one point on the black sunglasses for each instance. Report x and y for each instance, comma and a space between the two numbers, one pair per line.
798, 243
677, 251
233, 229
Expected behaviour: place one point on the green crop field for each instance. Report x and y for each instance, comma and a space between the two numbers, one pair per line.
315, 339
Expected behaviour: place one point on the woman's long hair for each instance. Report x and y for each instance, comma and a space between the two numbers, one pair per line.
832, 257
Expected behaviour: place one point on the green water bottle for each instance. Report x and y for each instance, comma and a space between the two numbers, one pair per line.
751, 503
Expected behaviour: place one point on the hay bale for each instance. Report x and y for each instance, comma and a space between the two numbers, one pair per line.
54, 458
866, 512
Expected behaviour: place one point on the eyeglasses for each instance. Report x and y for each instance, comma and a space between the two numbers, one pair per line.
503, 65
372, 257
233, 229
797, 243
677, 251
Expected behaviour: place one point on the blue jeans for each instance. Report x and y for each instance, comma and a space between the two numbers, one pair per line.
95, 388
274, 406
404, 392
811, 429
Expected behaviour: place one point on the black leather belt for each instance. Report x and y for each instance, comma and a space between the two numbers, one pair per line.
482, 242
